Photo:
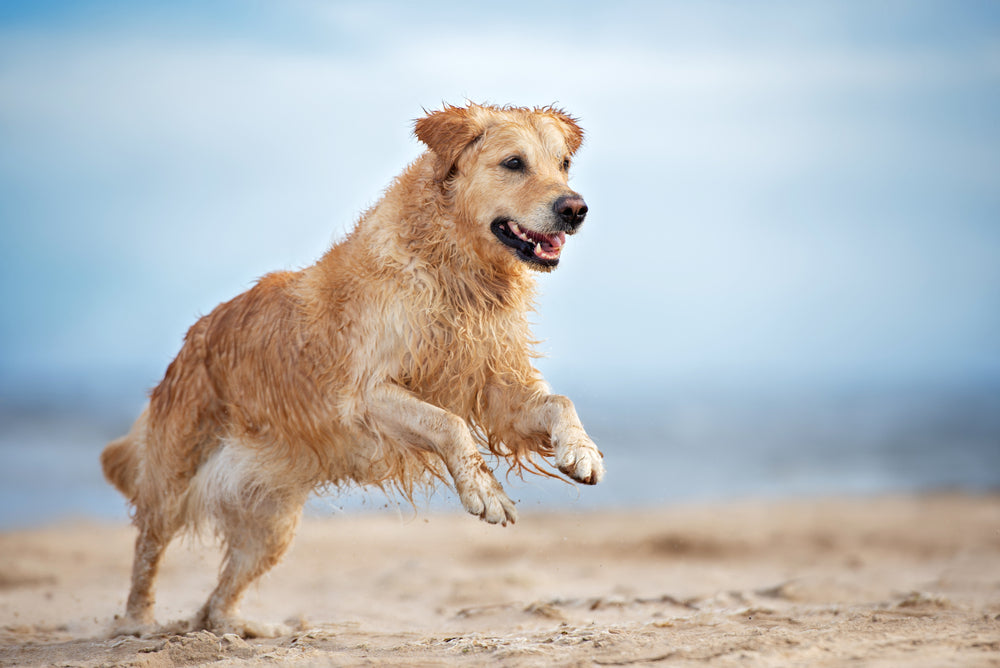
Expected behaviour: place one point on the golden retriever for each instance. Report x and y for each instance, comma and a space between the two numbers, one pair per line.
391, 361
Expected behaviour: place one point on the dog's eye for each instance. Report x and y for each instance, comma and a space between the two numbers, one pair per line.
565, 164
514, 164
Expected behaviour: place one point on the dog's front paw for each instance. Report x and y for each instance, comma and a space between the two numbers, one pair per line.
483, 496
580, 459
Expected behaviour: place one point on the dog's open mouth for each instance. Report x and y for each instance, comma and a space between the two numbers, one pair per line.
530, 246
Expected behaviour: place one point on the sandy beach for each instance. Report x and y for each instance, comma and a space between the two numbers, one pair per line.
894, 581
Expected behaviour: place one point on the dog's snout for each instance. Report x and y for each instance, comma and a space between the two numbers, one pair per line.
571, 210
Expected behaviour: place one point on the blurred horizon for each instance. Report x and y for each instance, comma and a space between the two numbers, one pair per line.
795, 209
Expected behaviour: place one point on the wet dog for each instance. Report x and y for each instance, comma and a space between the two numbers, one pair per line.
396, 359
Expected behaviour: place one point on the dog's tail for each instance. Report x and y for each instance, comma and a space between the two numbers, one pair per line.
120, 459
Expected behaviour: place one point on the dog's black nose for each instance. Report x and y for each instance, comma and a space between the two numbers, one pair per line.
571, 210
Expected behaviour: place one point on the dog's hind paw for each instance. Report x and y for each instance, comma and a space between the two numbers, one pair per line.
250, 629
244, 628
580, 460
127, 626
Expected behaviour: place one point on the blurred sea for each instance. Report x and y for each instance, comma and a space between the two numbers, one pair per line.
662, 448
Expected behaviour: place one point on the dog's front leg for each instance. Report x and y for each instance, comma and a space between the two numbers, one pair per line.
553, 414
404, 418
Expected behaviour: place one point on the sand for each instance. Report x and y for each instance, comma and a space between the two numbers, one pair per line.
911, 581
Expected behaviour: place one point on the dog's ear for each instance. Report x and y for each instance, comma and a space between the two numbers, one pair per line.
447, 133
570, 127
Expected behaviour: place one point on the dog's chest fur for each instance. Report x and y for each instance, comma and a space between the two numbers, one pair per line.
457, 342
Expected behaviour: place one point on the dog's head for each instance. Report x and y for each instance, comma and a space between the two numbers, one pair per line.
506, 172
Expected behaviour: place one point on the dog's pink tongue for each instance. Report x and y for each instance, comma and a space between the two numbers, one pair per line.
554, 242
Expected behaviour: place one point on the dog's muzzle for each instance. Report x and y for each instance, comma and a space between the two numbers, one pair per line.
542, 249
535, 248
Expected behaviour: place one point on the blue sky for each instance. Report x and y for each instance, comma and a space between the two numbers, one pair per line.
796, 194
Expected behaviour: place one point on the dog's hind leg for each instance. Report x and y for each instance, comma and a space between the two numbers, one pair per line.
254, 545
256, 513
126, 464
155, 533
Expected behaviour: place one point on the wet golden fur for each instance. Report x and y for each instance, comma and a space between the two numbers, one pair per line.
393, 360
